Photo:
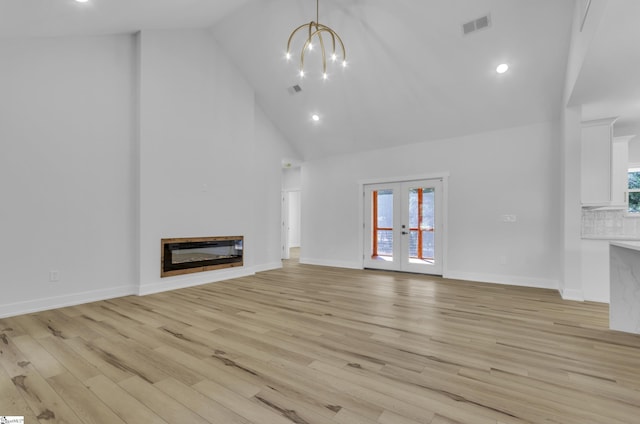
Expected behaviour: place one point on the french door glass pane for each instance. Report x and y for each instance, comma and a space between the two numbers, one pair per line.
413, 244
383, 229
428, 207
428, 245
414, 208
385, 208
421, 210
428, 223
385, 243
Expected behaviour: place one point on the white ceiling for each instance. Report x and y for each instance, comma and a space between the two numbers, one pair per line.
67, 17
609, 81
412, 75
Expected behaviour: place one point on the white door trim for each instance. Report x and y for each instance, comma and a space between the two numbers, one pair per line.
284, 225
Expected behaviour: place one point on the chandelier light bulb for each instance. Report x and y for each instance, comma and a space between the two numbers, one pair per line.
301, 73
315, 117
334, 57
288, 56
324, 76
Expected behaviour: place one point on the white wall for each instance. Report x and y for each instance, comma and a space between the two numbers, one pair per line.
572, 279
110, 144
67, 170
512, 171
210, 163
634, 150
585, 263
294, 218
269, 150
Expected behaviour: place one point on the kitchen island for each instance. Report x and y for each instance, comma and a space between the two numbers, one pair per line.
624, 269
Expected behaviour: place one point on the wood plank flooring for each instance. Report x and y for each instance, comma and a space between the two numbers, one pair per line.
309, 344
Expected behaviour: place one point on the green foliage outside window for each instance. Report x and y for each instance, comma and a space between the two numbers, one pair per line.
634, 191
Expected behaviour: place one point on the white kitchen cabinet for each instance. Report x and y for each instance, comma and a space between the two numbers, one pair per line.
596, 162
620, 169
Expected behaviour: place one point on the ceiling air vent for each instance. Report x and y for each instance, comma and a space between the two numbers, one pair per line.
294, 89
477, 24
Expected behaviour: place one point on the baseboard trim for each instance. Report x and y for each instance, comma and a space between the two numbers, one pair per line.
572, 294
333, 264
266, 267
55, 302
47, 303
192, 280
511, 280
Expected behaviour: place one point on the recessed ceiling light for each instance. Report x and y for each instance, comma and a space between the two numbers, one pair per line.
82, 1
315, 117
502, 68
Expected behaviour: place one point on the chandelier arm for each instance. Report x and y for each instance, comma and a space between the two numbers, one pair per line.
304, 49
331, 32
333, 44
324, 28
334, 34
344, 51
293, 33
311, 26
324, 56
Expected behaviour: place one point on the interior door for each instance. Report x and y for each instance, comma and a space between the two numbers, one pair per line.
403, 226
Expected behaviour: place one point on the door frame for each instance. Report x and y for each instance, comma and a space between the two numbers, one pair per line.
444, 176
284, 225
286, 220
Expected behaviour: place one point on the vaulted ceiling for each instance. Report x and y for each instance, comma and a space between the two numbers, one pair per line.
609, 81
412, 74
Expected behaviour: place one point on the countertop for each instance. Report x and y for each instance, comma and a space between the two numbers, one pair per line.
622, 239
633, 245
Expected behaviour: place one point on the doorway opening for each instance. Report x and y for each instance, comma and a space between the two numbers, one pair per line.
291, 213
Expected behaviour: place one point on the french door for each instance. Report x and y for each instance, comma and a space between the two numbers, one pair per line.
403, 226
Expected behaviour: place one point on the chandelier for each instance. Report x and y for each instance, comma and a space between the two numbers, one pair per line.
316, 30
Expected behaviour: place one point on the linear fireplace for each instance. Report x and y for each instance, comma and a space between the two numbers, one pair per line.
197, 254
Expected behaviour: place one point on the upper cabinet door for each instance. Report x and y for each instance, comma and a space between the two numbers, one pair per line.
620, 170
595, 160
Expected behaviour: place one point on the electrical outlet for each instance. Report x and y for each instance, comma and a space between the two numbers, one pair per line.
54, 276
509, 218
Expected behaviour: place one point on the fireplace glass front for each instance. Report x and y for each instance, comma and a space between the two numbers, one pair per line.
187, 255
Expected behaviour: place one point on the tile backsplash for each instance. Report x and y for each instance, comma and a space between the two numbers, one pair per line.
614, 224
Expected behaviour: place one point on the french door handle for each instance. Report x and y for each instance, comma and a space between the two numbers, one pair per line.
405, 232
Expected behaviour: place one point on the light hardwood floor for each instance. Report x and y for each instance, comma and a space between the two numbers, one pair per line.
309, 344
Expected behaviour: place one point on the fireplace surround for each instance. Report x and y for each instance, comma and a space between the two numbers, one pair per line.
198, 254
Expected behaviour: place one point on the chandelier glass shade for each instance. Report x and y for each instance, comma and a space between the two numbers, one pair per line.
324, 35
